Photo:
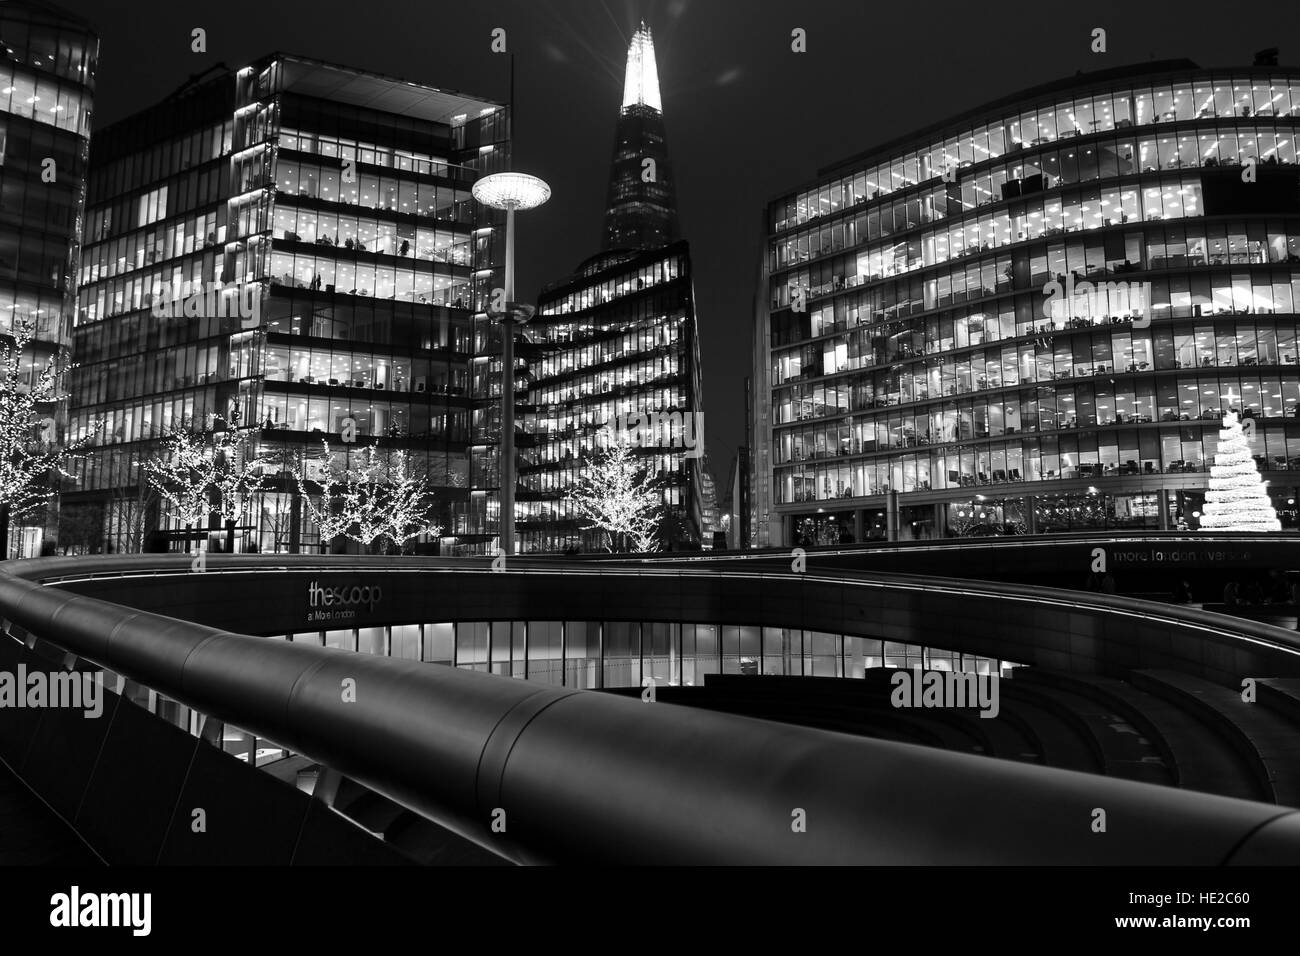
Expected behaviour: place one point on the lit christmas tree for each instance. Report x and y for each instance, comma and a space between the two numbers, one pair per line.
1237, 499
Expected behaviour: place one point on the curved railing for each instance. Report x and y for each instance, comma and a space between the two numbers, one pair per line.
1066, 630
542, 774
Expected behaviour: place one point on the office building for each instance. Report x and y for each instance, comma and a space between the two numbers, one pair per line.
284, 249
1032, 317
618, 339
736, 504
709, 505
48, 59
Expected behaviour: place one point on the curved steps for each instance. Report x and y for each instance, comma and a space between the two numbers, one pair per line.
1266, 739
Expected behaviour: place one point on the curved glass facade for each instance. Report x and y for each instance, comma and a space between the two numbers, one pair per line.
606, 654
47, 78
1033, 319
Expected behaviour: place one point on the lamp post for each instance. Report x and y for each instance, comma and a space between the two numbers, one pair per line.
511, 192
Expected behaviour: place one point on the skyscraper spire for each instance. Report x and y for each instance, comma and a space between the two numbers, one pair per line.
641, 84
641, 212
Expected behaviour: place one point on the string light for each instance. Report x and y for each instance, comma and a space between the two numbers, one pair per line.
30, 456
373, 497
619, 497
1237, 499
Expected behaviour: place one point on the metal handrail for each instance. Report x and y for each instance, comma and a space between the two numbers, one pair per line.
545, 775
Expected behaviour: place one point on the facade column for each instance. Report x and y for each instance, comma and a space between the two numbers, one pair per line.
564, 652
891, 515
1031, 514
600, 673
1162, 509
295, 523
859, 525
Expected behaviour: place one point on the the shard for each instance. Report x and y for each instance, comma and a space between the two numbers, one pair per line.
641, 210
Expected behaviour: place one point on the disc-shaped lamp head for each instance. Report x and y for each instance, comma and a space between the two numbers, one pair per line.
511, 191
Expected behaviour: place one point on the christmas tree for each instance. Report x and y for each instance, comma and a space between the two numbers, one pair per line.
1238, 499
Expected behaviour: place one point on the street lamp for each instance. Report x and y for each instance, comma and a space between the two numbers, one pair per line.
510, 191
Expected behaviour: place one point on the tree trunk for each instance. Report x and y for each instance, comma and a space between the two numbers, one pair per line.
4, 530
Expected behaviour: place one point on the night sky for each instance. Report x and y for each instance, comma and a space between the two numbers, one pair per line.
747, 118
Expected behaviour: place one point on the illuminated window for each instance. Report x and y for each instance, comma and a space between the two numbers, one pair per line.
153, 206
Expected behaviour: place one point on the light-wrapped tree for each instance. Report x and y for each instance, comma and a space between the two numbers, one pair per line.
239, 474
182, 473
409, 499
618, 496
370, 497
31, 457
201, 471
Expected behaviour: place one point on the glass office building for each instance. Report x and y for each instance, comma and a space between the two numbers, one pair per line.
330, 210
1032, 317
48, 59
617, 339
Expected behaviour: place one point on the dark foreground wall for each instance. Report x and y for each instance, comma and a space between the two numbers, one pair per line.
128, 783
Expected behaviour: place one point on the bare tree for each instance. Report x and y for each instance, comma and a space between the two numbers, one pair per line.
131, 501
81, 528
282, 463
